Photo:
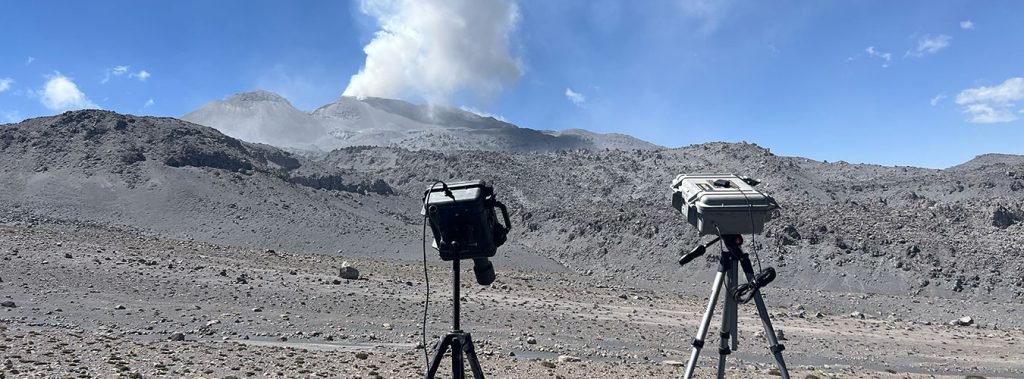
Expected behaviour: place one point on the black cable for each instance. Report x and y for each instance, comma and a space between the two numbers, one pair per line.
426, 276
745, 292
750, 212
426, 303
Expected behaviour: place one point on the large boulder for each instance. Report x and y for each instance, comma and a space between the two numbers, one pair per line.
348, 272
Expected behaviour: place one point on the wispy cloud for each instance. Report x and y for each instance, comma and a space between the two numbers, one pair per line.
141, 75
929, 44
875, 53
149, 103
575, 97
111, 72
60, 93
121, 70
935, 100
967, 24
5, 84
996, 104
29, 60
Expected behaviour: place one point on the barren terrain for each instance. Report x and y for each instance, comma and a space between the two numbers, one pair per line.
145, 246
100, 303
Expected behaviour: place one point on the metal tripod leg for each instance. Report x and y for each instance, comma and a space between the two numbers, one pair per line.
727, 338
458, 371
474, 363
461, 343
441, 348
702, 332
769, 331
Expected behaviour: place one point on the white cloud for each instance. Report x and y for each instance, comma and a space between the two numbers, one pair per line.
436, 48
930, 45
993, 104
142, 75
149, 103
29, 60
61, 94
872, 52
967, 24
935, 100
5, 84
575, 97
987, 114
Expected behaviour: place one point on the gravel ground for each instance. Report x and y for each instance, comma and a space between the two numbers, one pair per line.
104, 303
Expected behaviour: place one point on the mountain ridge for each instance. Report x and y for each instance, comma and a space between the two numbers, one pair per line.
265, 117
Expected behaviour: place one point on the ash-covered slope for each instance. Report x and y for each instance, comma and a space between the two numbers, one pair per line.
184, 180
845, 227
268, 118
261, 117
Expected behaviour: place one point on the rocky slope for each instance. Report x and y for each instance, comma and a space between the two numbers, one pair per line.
847, 228
266, 117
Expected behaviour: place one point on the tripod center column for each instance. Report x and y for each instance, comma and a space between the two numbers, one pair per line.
455, 293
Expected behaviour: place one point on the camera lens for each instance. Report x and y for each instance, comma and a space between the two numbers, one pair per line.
484, 271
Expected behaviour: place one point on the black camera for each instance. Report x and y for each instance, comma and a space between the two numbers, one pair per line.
465, 224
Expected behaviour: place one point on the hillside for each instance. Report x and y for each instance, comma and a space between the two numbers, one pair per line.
845, 227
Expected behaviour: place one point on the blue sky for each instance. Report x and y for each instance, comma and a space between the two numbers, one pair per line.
921, 83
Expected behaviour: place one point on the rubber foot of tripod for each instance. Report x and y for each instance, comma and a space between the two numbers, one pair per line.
697, 343
725, 351
778, 348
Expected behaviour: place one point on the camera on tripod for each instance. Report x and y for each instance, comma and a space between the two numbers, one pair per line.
728, 206
465, 225
722, 204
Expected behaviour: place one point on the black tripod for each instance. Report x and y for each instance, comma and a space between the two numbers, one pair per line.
459, 341
727, 272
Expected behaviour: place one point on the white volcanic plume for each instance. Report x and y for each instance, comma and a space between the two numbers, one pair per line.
436, 48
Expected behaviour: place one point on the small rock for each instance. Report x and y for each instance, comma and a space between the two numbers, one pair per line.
362, 355
67, 255
780, 335
547, 364
119, 307
8, 304
672, 363
965, 321
857, 315
567, 358
531, 340
388, 327
257, 309
212, 322
177, 337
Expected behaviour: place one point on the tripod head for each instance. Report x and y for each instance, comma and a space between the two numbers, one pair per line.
732, 242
